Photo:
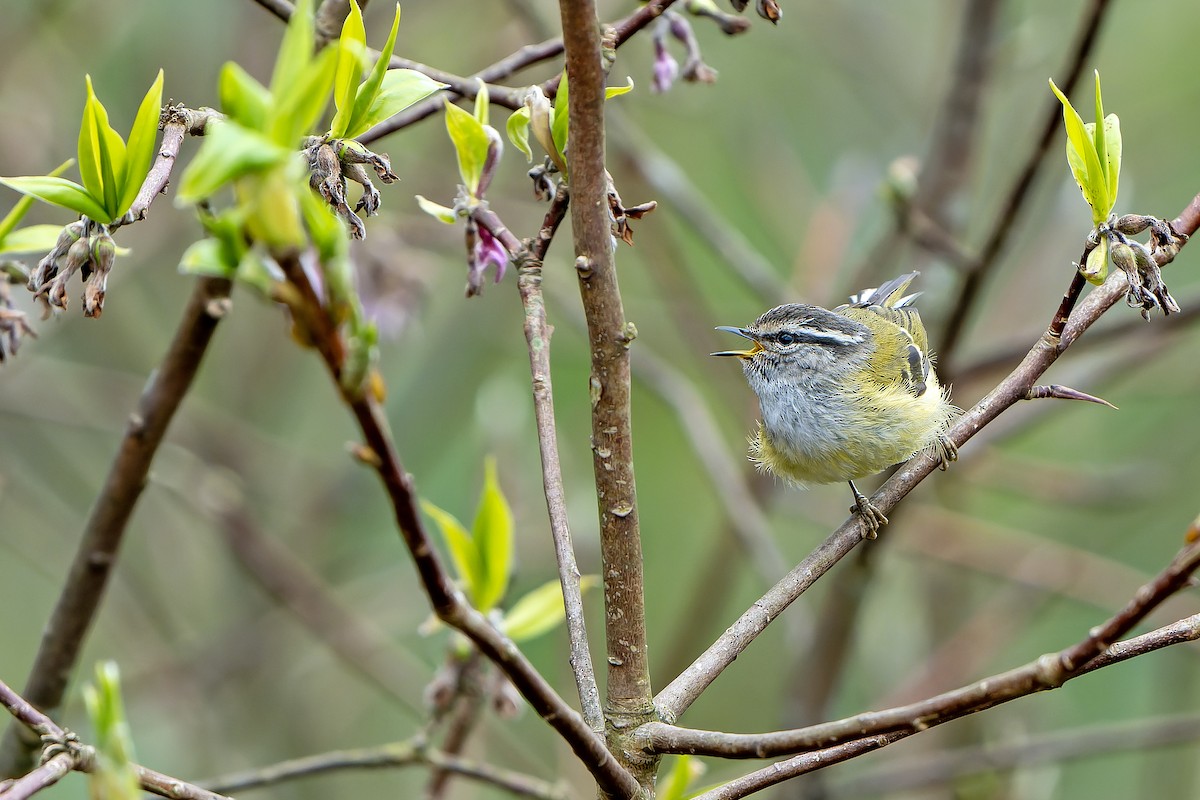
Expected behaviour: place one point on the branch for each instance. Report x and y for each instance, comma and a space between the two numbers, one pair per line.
609, 338
529, 256
622, 30
972, 283
96, 555
75, 756
916, 772
683, 691
1048, 672
444, 598
395, 754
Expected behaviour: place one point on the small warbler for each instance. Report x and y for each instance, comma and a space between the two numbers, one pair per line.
845, 393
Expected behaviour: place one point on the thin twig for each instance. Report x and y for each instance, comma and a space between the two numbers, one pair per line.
388, 756
529, 257
916, 772
1048, 672
964, 305
526, 56
79, 757
683, 691
444, 597
96, 555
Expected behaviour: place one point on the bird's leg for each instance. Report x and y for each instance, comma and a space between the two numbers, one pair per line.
872, 517
945, 451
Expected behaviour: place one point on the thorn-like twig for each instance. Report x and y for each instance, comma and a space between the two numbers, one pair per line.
1060, 392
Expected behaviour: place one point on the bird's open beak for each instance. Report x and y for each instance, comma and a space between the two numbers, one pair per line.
743, 333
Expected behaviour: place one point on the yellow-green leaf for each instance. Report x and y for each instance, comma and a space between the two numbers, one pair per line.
243, 99
617, 91
1083, 160
399, 90
89, 149
207, 257
436, 210
462, 548
31, 238
470, 143
114, 776
21, 208
351, 52
1112, 139
295, 51
140, 150
229, 151
674, 784
301, 103
518, 131
369, 90
482, 103
559, 125
493, 535
59, 192
540, 611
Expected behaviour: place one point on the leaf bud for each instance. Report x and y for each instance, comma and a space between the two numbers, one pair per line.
1095, 266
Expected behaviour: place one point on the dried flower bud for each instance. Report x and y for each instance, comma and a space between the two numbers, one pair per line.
770, 11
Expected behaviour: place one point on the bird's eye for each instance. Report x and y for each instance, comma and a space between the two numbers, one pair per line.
787, 338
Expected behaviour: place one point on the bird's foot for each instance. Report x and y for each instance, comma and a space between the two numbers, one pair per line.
871, 516
945, 451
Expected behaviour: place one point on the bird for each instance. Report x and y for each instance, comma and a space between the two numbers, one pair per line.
845, 393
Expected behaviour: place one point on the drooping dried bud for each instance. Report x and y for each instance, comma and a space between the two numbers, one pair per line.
104, 251
770, 11
79, 255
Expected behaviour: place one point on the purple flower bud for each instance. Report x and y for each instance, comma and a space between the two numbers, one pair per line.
486, 250
666, 68
494, 151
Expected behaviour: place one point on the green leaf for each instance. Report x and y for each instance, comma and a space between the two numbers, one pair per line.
617, 91
367, 93
540, 611
243, 99
258, 273
21, 208
89, 150
301, 104
470, 142
493, 533
399, 90
674, 785
140, 151
103, 152
351, 52
59, 192
114, 776
463, 551
207, 257
295, 51
437, 211
31, 239
1112, 138
482, 103
518, 131
1084, 162
1098, 136
229, 151
558, 126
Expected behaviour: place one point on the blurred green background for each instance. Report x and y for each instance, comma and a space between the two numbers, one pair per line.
1050, 521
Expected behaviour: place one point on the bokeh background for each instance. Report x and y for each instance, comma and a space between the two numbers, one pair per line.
1049, 522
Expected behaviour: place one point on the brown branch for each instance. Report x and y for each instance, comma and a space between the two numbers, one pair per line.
75, 756
1048, 672
622, 30
444, 598
529, 256
628, 700
912, 773
965, 304
96, 555
683, 691
395, 754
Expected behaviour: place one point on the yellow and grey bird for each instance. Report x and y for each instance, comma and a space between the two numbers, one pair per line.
845, 393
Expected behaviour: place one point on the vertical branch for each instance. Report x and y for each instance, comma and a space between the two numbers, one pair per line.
628, 700
83, 591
